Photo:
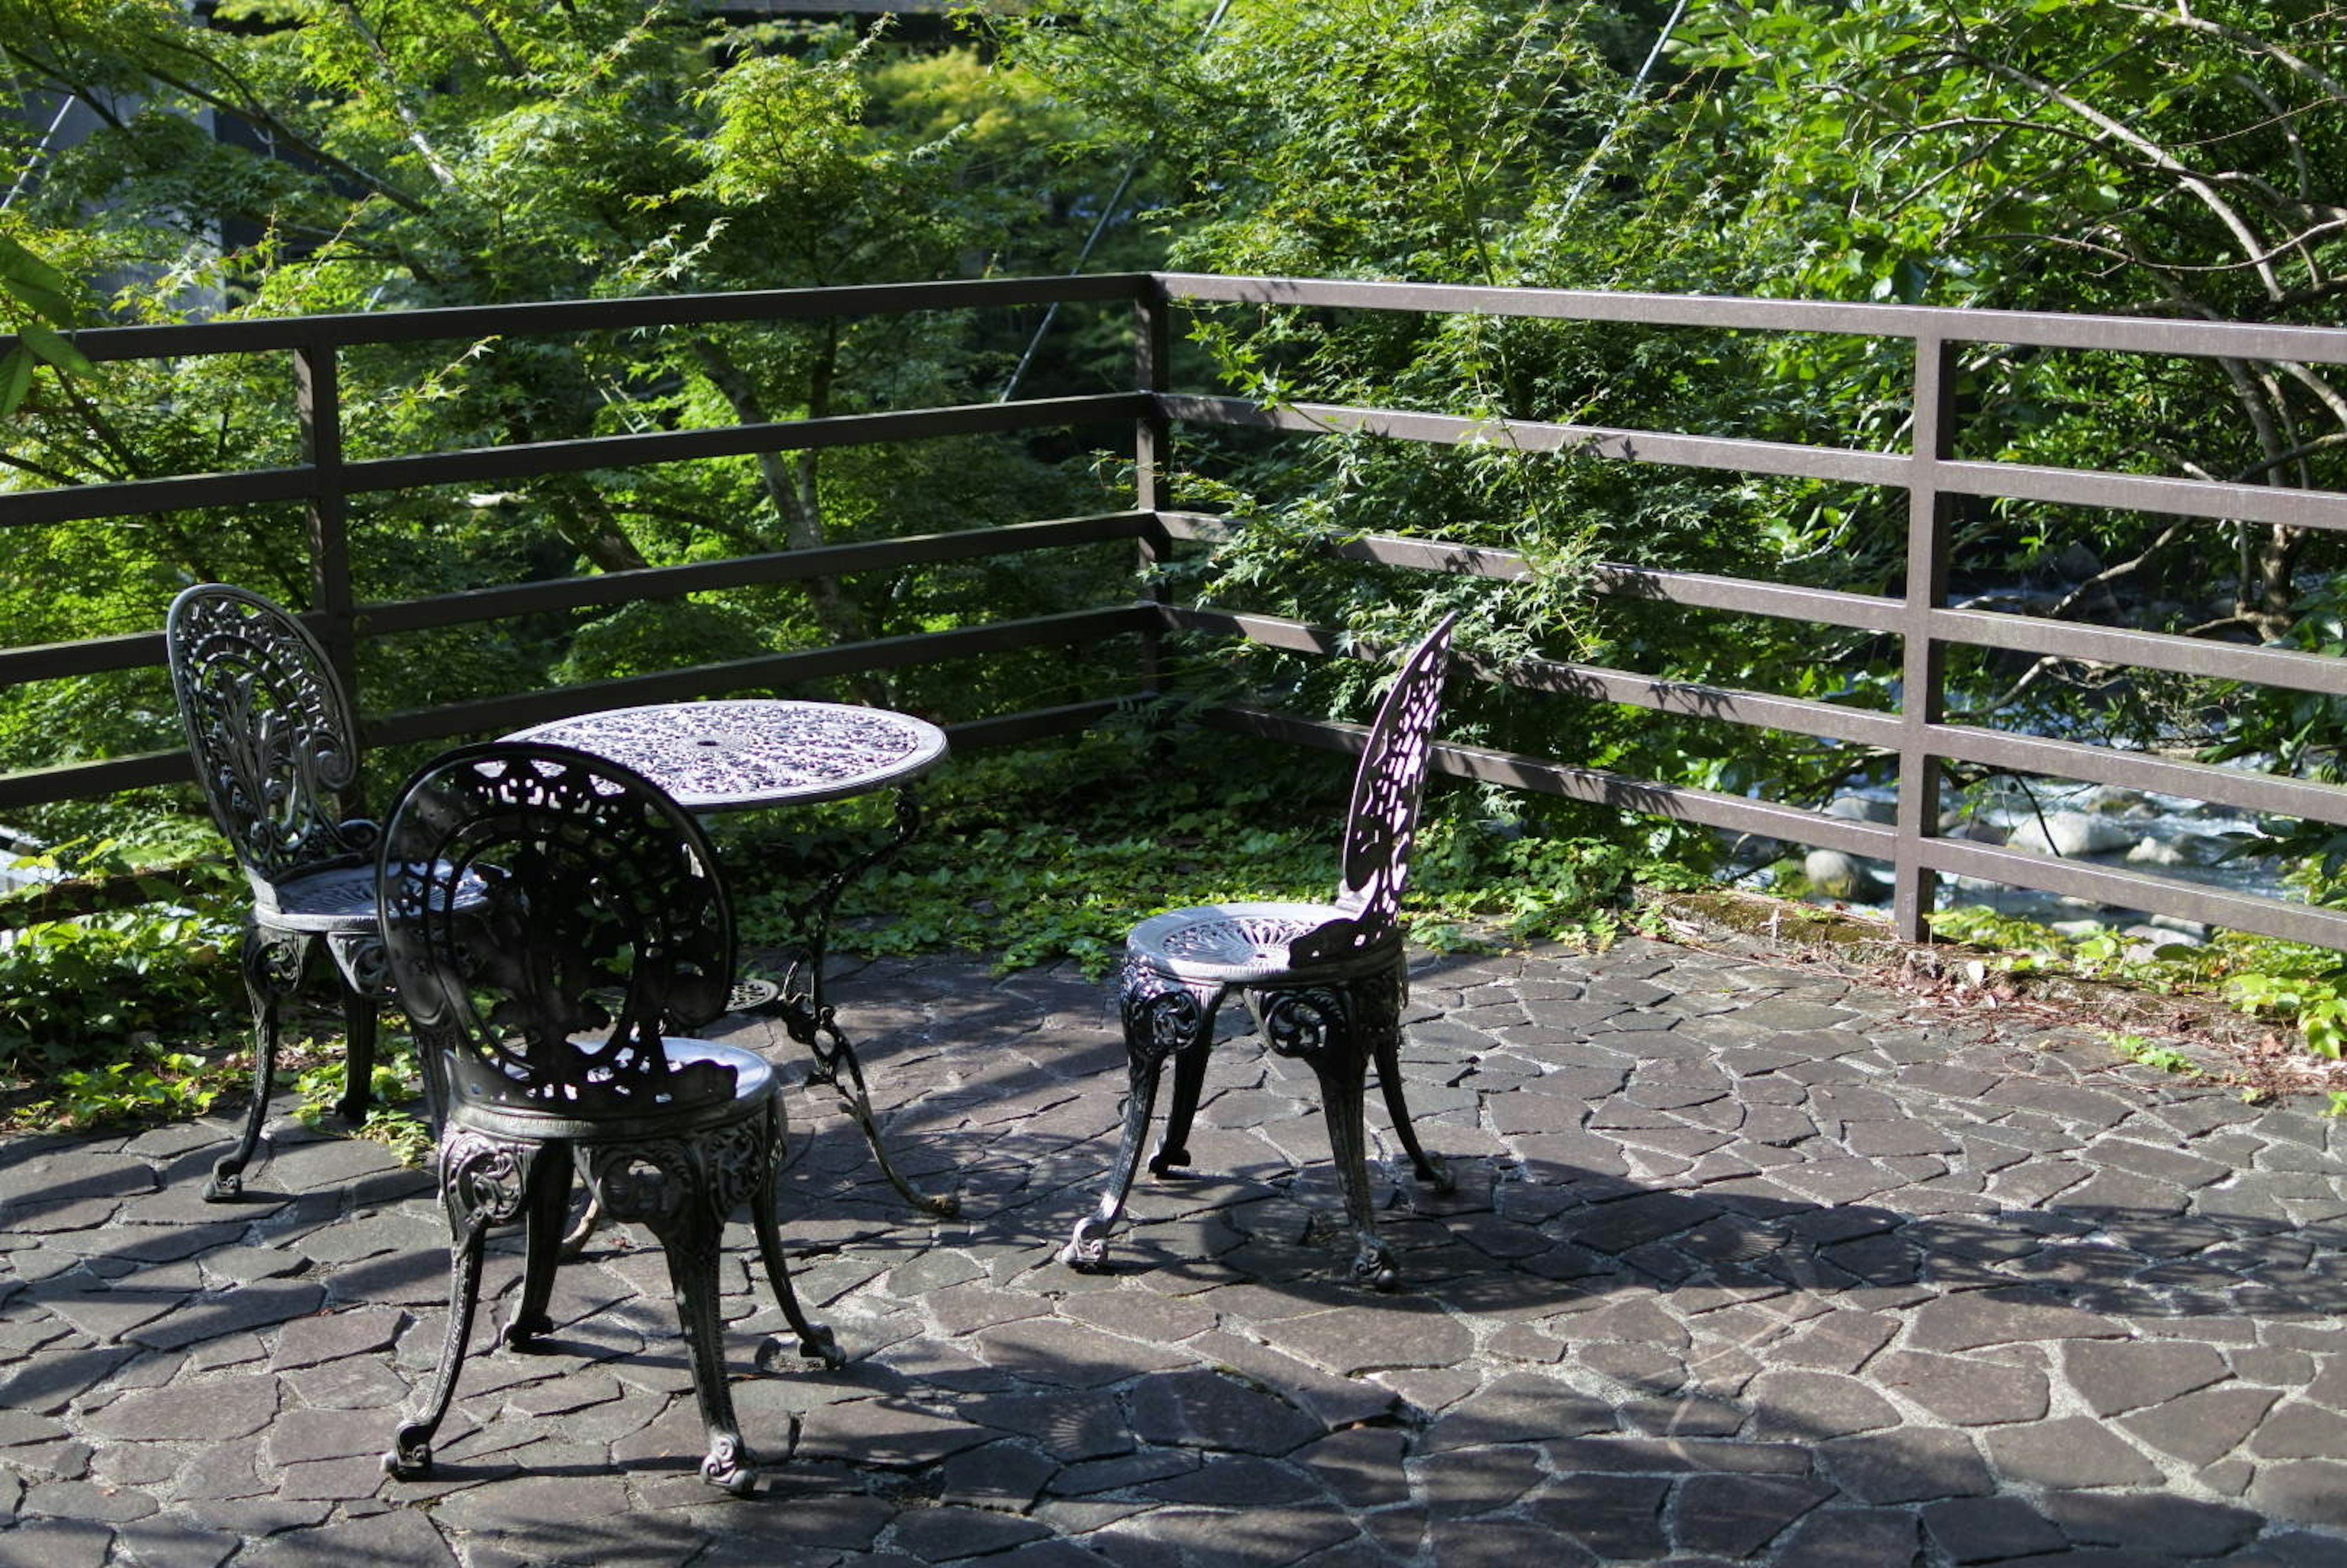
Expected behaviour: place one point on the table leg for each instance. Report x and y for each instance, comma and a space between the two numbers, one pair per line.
812, 1020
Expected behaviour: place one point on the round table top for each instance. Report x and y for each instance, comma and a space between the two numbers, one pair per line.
729, 755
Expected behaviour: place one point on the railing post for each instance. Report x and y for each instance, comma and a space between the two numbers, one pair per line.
1924, 664
318, 402
1152, 435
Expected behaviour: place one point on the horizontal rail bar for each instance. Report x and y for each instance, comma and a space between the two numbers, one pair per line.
1038, 724
1824, 606
396, 616
1800, 715
2138, 334
2237, 788
519, 461
1595, 785
499, 716
145, 497
2087, 488
279, 333
81, 781
480, 465
2138, 890
1723, 453
2149, 650
59, 661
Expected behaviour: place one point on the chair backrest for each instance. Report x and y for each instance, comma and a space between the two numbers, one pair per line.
271, 731
550, 916
1382, 825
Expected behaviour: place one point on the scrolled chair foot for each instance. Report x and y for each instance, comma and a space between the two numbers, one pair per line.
227, 1184
1085, 1253
1170, 1162
1373, 1265
1436, 1174
818, 1344
524, 1333
410, 1457
728, 1464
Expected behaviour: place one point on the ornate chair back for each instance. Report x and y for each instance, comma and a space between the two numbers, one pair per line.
1381, 824
593, 922
271, 730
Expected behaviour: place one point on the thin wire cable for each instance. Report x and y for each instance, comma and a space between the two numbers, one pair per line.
1100, 227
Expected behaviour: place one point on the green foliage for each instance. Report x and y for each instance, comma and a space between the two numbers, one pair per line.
2300, 987
35, 303
2159, 1058
119, 1017
74, 991
151, 1083
1037, 857
378, 157
395, 1084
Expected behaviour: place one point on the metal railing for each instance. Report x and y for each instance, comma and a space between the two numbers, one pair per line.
1924, 626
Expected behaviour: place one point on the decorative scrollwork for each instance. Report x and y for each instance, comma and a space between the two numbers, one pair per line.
1161, 1015
739, 1159
1381, 826
482, 1179
1302, 1021
274, 959
271, 731
550, 916
651, 1181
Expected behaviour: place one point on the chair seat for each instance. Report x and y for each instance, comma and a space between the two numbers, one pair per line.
338, 898
1241, 943
754, 1081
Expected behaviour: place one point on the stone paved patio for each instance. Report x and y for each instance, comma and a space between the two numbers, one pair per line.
1746, 1263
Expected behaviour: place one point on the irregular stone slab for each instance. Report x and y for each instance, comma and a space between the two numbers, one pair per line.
2178, 1526
1519, 1407
2124, 1375
1810, 1406
1737, 1515
2302, 1491
1988, 1529
308, 1341
942, 1534
216, 1314
2068, 1452
1973, 1319
218, 1411
1351, 1340
1202, 1409
1053, 1350
1966, 1391
396, 1538
1912, 1464
887, 1433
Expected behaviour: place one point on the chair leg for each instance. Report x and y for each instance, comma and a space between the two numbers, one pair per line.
690, 1233
545, 1215
359, 1015
815, 1341
1160, 1019
482, 1182
274, 962
1324, 1025
1385, 1045
1189, 1084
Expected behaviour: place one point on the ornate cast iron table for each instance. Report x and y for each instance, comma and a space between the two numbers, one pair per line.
748, 755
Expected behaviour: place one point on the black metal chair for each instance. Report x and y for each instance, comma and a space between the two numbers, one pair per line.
554, 1013
1326, 983
276, 752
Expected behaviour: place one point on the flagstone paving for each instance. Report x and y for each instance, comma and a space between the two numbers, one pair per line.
1746, 1263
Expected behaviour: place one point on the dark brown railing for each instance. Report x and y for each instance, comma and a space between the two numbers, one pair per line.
1921, 620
